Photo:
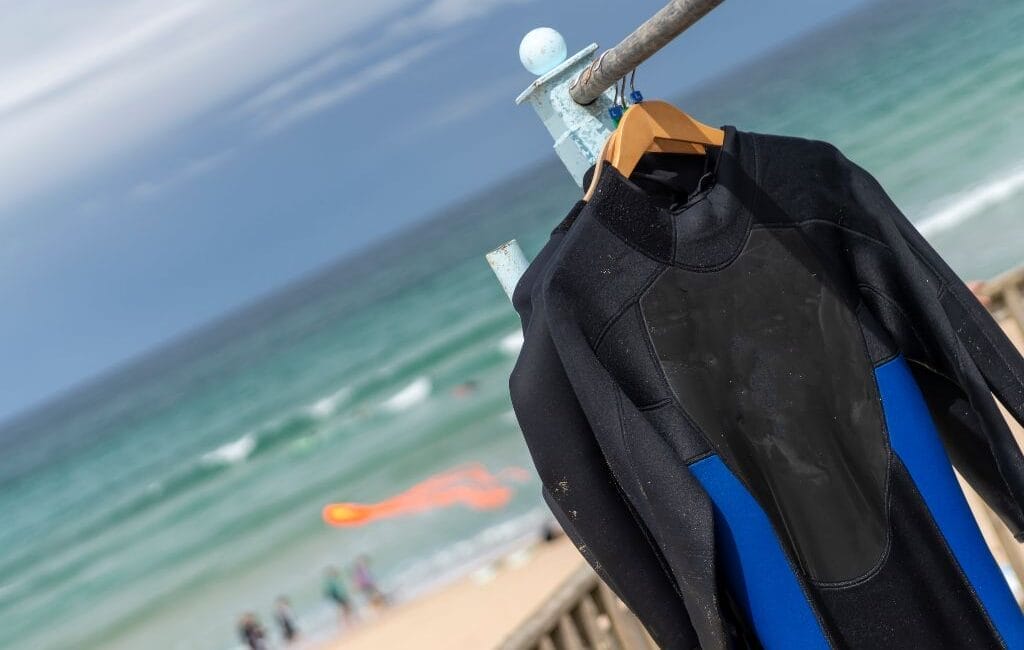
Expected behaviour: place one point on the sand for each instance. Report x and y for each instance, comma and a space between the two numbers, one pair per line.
468, 615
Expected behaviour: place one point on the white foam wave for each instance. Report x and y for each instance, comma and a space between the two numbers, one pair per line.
413, 393
961, 207
511, 343
11, 586
232, 452
328, 405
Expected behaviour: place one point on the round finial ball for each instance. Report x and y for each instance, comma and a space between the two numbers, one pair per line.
541, 50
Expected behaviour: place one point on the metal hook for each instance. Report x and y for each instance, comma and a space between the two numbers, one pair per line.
634, 94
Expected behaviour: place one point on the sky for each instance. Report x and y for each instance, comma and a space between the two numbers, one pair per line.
162, 163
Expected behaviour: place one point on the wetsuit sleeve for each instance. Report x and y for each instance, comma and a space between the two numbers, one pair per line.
585, 499
578, 486
961, 355
672, 514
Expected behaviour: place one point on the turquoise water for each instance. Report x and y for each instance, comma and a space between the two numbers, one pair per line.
153, 506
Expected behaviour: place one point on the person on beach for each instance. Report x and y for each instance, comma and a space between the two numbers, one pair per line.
286, 620
366, 583
337, 592
252, 632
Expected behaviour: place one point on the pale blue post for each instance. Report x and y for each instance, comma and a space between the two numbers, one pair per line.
579, 131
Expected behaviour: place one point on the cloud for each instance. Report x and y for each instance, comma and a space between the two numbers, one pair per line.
359, 81
86, 85
194, 168
97, 81
474, 101
443, 14
68, 66
298, 81
435, 17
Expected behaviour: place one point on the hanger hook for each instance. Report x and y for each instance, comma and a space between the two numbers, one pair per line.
634, 94
618, 106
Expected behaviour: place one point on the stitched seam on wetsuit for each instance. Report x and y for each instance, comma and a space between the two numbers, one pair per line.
819, 220
802, 581
956, 561
943, 289
863, 306
873, 571
666, 567
701, 269
907, 321
633, 302
884, 557
624, 307
658, 553
667, 264
1019, 511
654, 406
943, 286
913, 486
995, 348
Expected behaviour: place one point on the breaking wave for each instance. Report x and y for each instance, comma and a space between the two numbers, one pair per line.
412, 394
328, 405
232, 452
511, 343
972, 202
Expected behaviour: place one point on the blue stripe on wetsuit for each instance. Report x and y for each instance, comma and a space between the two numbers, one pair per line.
755, 566
761, 578
915, 440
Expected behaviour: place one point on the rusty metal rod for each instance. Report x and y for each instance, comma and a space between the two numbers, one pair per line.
636, 48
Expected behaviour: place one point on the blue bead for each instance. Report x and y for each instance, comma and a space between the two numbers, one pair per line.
636, 97
616, 113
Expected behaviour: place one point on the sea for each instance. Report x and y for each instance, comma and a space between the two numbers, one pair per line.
152, 506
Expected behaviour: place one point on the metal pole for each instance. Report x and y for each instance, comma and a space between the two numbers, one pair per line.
578, 131
575, 112
508, 263
636, 48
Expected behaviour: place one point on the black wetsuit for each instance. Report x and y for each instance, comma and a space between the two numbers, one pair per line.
741, 379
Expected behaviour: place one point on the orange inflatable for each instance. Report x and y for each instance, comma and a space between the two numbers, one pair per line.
470, 485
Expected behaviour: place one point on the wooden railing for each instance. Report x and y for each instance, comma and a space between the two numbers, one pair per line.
1007, 301
584, 614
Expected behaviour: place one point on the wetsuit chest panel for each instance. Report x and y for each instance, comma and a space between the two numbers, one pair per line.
770, 363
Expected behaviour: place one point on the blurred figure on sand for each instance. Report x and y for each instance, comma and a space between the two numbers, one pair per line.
366, 583
337, 592
252, 632
286, 620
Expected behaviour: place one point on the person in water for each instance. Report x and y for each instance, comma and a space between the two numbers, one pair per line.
366, 583
337, 592
252, 632
286, 620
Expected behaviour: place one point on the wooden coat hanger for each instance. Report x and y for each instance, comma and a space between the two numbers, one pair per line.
653, 126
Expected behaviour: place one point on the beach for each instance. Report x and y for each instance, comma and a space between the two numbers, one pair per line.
470, 614
157, 504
